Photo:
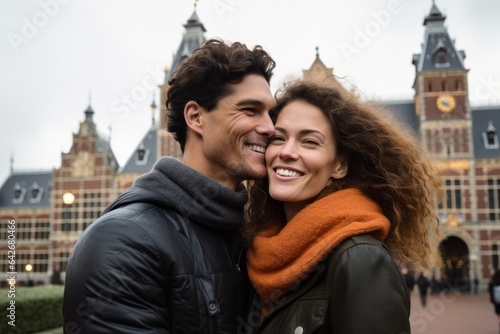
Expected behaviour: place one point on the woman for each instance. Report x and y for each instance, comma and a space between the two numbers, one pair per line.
347, 192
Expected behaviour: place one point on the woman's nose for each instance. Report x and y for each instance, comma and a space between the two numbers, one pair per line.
288, 151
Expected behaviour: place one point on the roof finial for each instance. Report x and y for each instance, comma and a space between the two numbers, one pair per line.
89, 112
153, 108
195, 4
317, 52
12, 162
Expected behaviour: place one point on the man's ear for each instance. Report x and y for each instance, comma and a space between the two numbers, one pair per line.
341, 169
193, 115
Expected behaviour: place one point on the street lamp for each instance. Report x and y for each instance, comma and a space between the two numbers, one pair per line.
28, 268
68, 199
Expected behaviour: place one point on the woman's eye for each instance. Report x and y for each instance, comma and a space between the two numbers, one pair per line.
276, 139
311, 142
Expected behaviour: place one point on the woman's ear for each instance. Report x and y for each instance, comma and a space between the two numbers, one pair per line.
193, 116
341, 169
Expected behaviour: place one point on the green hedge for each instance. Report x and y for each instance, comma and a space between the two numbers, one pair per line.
36, 309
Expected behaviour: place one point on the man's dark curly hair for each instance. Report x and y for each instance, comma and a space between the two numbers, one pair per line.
207, 76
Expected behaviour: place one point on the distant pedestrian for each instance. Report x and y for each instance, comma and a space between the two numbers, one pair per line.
409, 279
434, 285
423, 287
494, 290
476, 285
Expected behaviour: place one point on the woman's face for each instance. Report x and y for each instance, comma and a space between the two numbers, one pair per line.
301, 156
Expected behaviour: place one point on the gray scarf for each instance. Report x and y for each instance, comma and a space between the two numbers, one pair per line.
171, 184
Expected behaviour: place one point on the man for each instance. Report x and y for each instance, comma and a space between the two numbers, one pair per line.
164, 257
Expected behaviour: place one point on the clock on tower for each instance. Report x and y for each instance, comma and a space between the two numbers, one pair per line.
446, 103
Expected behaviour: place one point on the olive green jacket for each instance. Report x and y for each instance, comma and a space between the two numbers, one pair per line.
358, 289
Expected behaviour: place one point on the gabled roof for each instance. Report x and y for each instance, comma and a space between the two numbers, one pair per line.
26, 190
437, 39
148, 146
404, 112
322, 75
89, 128
483, 118
104, 144
192, 39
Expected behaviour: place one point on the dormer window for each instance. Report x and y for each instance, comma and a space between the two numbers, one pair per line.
141, 155
441, 58
490, 137
141, 152
19, 193
36, 193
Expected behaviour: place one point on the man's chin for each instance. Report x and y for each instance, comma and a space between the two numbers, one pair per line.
259, 174
251, 170
256, 172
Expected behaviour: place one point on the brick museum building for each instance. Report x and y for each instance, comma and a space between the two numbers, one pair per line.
52, 208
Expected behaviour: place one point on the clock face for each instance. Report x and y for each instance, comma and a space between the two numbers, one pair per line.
445, 103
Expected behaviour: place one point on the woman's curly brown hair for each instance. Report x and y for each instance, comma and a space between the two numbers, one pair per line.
384, 162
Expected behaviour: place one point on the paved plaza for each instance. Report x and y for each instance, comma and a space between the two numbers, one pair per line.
453, 313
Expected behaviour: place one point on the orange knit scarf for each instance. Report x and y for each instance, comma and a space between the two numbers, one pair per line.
280, 256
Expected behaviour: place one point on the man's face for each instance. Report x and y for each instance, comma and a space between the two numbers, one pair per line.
236, 132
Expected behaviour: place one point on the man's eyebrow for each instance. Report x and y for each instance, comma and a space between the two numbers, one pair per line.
252, 102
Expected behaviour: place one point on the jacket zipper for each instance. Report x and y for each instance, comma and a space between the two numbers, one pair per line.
238, 260
213, 324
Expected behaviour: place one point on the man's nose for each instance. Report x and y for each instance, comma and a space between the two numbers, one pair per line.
266, 126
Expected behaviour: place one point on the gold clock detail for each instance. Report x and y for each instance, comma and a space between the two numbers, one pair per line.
446, 103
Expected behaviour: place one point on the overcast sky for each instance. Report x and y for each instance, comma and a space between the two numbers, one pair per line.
54, 53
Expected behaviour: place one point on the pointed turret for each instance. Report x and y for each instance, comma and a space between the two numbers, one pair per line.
435, 17
438, 50
88, 127
191, 40
89, 113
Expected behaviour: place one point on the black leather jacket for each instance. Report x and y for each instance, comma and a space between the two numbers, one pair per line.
146, 268
358, 289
